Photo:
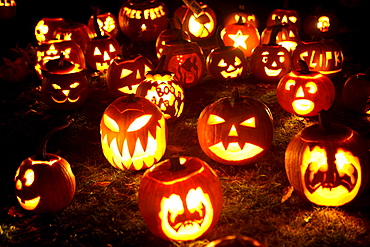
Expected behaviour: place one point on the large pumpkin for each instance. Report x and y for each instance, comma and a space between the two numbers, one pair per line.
236, 130
327, 165
304, 92
133, 133
148, 17
187, 201
45, 182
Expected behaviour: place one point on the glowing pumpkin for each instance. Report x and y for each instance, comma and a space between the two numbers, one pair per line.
242, 35
321, 25
356, 92
133, 133
324, 56
107, 23
304, 92
187, 201
246, 15
149, 17
8, 8
270, 62
45, 182
160, 88
236, 130
200, 24
286, 16
44, 30
327, 164
75, 31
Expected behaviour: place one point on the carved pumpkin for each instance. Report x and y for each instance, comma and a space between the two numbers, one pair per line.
44, 30
321, 25
242, 35
133, 133
235, 241
107, 23
324, 56
187, 201
160, 88
270, 62
50, 50
45, 182
246, 15
304, 92
327, 164
14, 65
201, 24
62, 88
226, 62
148, 17
75, 31
186, 60
356, 92
236, 130
8, 8
286, 16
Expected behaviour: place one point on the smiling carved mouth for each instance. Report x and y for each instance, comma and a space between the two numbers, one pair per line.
232, 74
303, 106
29, 204
272, 72
234, 152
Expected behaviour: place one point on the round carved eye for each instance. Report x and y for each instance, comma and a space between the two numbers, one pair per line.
139, 122
289, 84
222, 63
312, 87
110, 123
265, 59
214, 119
250, 122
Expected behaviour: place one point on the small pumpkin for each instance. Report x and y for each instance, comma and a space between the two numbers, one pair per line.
327, 164
304, 92
321, 25
286, 16
236, 130
45, 182
133, 133
356, 92
187, 201
270, 62
226, 62
160, 88
44, 30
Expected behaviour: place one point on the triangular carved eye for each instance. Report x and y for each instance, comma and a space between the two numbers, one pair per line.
250, 122
237, 61
97, 51
111, 48
110, 123
214, 119
139, 122
125, 72
222, 63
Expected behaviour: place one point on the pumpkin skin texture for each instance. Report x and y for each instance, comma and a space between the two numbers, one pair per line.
327, 168
168, 35
305, 93
44, 30
236, 130
187, 201
75, 31
149, 17
133, 133
356, 93
287, 36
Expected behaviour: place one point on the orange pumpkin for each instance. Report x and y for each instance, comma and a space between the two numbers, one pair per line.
75, 31
44, 30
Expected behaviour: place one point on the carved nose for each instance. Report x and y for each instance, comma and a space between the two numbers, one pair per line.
233, 131
300, 92
66, 92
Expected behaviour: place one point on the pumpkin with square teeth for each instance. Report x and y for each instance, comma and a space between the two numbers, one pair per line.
133, 133
187, 201
236, 130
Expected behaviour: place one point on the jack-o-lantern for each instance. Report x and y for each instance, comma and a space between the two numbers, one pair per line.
148, 17
187, 201
286, 16
236, 130
44, 30
14, 65
107, 23
50, 50
356, 92
270, 62
186, 60
100, 52
327, 164
246, 15
226, 62
133, 133
8, 8
304, 92
321, 25
200, 22
75, 31
45, 182
63, 88
324, 56
160, 88
126, 73
242, 35
235, 241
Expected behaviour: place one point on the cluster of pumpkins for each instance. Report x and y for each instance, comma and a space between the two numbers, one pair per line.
326, 163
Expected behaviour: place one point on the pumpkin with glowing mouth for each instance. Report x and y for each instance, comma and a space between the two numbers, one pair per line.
327, 164
235, 130
133, 133
304, 92
187, 201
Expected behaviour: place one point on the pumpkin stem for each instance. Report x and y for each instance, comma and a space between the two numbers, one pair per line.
365, 76
96, 24
240, 21
220, 42
274, 32
325, 122
175, 164
61, 60
304, 67
41, 154
235, 97
160, 65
